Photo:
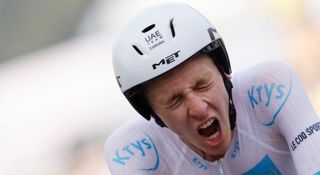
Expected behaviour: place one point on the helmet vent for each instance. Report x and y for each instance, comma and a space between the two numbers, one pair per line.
172, 28
137, 50
148, 28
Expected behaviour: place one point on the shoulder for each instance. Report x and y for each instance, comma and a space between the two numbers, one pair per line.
138, 146
264, 80
265, 72
129, 130
263, 90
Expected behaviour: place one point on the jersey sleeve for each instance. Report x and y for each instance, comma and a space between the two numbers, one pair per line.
299, 124
282, 108
141, 147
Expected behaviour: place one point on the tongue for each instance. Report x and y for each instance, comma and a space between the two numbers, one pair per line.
210, 130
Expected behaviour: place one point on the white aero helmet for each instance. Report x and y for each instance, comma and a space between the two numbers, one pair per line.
155, 41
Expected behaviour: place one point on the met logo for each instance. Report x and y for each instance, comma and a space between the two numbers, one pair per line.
167, 60
139, 149
263, 95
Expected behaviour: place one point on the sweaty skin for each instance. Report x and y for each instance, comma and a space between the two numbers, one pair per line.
187, 97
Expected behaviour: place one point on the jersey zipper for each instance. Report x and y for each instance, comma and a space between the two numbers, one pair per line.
222, 172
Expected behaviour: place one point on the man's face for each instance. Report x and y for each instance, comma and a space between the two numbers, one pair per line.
193, 102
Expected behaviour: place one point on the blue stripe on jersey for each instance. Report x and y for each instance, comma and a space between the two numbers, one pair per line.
264, 167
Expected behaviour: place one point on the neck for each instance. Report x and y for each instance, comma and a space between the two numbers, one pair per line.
207, 156
211, 158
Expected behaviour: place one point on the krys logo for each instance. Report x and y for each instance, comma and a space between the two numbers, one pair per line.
267, 95
143, 148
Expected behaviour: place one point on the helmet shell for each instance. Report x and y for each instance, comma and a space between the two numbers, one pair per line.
158, 39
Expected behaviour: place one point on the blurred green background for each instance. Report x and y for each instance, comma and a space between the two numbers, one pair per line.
33, 24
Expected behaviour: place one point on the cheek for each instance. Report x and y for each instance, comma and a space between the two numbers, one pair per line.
222, 89
175, 121
219, 98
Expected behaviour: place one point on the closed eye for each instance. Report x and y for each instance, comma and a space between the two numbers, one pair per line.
174, 101
204, 85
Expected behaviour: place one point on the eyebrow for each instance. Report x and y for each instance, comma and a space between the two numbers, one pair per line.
206, 78
175, 95
201, 82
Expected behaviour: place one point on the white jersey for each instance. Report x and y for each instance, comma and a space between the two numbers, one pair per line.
277, 133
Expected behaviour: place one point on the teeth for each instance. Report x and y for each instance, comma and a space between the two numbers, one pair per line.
215, 135
208, 123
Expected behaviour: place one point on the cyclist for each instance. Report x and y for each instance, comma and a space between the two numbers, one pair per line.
173, 67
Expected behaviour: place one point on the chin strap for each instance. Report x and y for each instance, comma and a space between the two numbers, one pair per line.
232, 109
159, 121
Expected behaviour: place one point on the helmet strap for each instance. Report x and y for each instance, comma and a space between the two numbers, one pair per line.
232, 109
157, 119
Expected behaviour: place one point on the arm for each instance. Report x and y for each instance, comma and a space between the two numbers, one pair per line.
300, 125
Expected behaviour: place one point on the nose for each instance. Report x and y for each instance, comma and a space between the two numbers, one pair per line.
196, 106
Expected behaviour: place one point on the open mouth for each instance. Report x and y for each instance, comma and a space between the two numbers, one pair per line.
210, 129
